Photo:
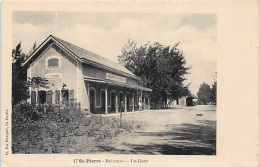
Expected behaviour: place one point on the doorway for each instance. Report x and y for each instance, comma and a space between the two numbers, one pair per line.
113, 101
42, 96
92, 98
103, 101
127, 101
121, 108
189, 101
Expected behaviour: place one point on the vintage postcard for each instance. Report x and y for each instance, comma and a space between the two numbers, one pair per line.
130, 83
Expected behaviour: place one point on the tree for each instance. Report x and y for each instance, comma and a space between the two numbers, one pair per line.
19, 85
162, 68
36, 83
213, 93
204, 93
33, 49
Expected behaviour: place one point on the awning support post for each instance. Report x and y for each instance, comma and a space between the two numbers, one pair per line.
106, 111
125, 103
133, 102
117, 103
148, 102
142, 100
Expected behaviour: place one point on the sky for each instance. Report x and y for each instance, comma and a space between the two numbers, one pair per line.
106, 33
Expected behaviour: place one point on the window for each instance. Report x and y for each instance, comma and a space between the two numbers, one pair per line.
42, 97
57, 97
92, 100
53, 62
33, 97
49, 97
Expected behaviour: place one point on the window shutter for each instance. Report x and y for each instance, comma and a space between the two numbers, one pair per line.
33, 97
49, 97
57, 97
71, 96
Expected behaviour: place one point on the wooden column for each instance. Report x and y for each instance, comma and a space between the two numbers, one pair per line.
125, 103
141, 107
149, 103
29, 74
142, 96
144, 103
87, 98
133, 102
106, 111
138, 100
116, 102
88, 87
37, 96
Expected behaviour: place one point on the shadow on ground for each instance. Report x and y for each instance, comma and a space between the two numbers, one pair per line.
181, 139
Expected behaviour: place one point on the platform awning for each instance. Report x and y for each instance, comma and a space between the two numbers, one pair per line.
110, 82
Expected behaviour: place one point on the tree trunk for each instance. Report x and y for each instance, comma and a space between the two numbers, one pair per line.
165, 102
37, 96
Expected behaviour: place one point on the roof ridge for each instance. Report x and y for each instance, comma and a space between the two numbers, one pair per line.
73, 44
83, 49
92, 55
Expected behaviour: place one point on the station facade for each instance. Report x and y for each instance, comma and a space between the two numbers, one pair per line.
75, 74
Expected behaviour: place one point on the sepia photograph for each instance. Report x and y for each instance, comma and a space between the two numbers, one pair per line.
130, 83
114, 83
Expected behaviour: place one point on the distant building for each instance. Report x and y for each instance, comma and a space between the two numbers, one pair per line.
96, 82
189, 100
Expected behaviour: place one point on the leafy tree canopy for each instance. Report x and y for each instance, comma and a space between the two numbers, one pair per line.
204, 93
19, 74
38, 82
213, 92
162, 68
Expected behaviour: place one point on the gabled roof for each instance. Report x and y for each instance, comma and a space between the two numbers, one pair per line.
83, 55
191, 95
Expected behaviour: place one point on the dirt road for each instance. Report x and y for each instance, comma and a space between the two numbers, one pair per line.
177, 131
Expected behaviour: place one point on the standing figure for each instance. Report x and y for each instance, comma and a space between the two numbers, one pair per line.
140, 105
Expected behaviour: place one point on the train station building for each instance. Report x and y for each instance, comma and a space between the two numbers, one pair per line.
75, 74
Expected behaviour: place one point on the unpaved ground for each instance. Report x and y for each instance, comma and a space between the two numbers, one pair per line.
177, 131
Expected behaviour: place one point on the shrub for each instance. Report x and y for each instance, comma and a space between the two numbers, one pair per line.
47, 128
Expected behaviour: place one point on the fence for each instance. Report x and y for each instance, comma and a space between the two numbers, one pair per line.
70, 105
160, 105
